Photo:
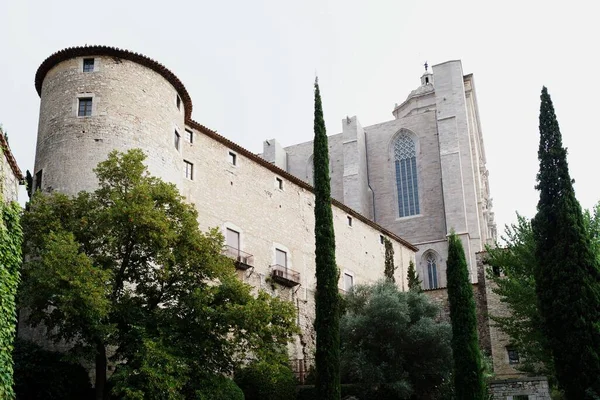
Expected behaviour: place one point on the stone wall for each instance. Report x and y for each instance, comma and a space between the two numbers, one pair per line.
440, 296
10, 174
246, 197
133, 107
510, 389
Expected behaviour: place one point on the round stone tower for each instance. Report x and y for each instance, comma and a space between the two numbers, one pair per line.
96, 99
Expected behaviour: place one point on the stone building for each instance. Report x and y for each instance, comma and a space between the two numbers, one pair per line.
10, 174
97, 99
420, 175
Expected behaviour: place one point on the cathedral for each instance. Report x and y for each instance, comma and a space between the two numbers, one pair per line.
421, 175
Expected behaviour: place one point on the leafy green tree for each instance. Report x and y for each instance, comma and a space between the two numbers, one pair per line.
511, 271
127, 268
327, 320
389, 261
468, 366
414, 283
267, 380
566, 271
393, 346
10, 260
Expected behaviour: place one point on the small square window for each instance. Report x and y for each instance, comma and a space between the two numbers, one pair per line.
189, 136
178, 102
88, 65
177, 140
232, 158
349, 221
279, 182
85, 107
189, 170
513, 356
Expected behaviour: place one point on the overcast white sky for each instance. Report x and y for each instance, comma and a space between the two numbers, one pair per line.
249, 67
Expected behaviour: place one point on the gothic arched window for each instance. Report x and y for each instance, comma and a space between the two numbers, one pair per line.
405, 161
432, 271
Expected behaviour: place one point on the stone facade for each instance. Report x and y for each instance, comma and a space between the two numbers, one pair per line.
10, 174
139, 105
520, 389
442, 118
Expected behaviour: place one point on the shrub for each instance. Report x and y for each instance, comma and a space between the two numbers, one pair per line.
45, 375
261, 380
219, 387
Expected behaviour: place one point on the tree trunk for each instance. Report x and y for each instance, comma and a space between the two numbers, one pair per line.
100, 370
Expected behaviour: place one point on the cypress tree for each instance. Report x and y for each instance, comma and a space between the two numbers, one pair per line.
414, 283
389, 261
468, 368
566, 271
327, 320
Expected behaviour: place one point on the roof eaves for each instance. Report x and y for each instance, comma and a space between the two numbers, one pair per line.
10, 158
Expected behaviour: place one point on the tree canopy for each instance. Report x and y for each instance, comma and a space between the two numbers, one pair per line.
126, 268
393, 346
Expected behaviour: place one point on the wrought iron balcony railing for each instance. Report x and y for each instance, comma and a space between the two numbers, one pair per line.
241, 259
284, 275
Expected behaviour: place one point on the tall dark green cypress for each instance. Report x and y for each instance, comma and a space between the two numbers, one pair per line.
468, 367
414, 283
327, 320
566, 272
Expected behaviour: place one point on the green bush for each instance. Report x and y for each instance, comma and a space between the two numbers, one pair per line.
44, 375
219, 387
261, 380
309, 392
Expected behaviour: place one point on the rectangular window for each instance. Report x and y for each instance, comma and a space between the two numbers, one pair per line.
348, 282
177, 140
521, 397
279, 182
178, 102
189, 170
85, 107
281, 258
38, 180
88, 65
513, 355
232, 158
233, 239
189, 136
349, 221
406, 183
381, 239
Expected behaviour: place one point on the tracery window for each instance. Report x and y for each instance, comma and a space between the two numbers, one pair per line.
432, 271
405, 161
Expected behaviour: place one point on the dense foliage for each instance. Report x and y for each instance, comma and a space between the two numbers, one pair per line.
327, 320
46, 375
393, 347
267, 380
511, 271
468, 366
126, 267
10, 262
389, 261
414, 283
566, 271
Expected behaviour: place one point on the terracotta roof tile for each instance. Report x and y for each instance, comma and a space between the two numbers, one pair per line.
9, 157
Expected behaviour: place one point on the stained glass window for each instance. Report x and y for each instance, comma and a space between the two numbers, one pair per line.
405, 160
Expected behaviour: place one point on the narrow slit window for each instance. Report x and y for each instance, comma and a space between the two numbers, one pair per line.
38, 180
432, 271
85, 107
88, 65
349, 221
189, 170
177, 140
178, 102
279, 182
